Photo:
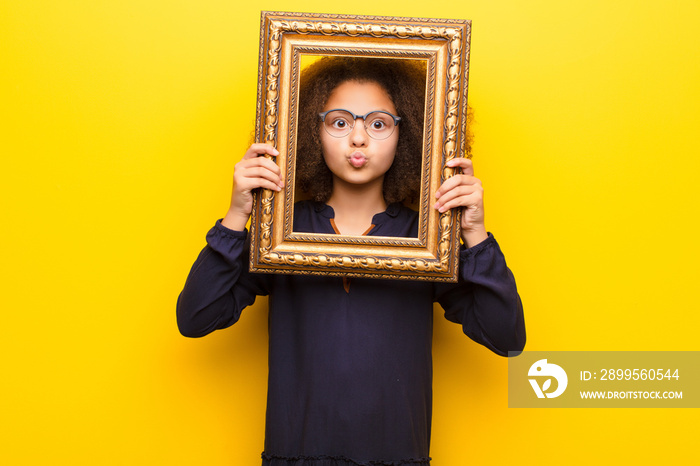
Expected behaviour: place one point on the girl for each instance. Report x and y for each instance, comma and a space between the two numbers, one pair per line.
350, 364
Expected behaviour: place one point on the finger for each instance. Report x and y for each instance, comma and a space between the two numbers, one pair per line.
248, 184
464, 163
262, 162
459, 196
254, 177
260, 172
472, 200
258, 167
455, 181
262, 183
258, 149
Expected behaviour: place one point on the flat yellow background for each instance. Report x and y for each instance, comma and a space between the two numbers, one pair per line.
121, 122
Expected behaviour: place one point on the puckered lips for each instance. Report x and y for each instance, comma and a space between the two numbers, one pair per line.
357, 159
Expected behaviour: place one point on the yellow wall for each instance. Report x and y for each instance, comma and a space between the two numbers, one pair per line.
121, 122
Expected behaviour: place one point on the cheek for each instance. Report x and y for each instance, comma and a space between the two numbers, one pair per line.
330, 150
391, 146
326, 144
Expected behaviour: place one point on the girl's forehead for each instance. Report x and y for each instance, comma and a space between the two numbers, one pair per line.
360, 97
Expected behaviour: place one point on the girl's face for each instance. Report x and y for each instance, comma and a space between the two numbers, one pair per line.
357, 158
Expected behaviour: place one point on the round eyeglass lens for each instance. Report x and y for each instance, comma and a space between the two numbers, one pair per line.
379, 125
339, 123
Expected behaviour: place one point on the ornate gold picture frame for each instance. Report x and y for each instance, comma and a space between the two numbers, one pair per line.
285, 40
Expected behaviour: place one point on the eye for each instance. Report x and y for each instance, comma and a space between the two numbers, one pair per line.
379, 122
378, 125
339, 123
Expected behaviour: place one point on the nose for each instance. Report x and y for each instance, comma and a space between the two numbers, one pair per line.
358, 134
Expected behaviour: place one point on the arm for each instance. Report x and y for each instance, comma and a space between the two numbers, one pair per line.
485, 301
219, 285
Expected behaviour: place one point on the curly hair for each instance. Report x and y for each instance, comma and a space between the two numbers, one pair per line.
403, 81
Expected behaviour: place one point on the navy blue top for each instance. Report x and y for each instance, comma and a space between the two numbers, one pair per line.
350, 368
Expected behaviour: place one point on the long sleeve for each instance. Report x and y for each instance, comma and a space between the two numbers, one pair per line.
485, 301
218, 286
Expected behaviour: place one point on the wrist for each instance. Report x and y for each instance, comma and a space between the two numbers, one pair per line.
235, 220
474, 236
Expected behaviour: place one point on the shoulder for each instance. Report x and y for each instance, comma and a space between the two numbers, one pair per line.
309, 209
400, 211
312, 217
396, 220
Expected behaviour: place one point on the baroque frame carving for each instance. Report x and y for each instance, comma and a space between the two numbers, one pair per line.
444, 44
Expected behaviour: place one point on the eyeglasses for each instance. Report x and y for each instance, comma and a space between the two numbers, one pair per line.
378, 123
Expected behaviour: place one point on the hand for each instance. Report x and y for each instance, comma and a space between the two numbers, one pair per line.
464, 190
250, 173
